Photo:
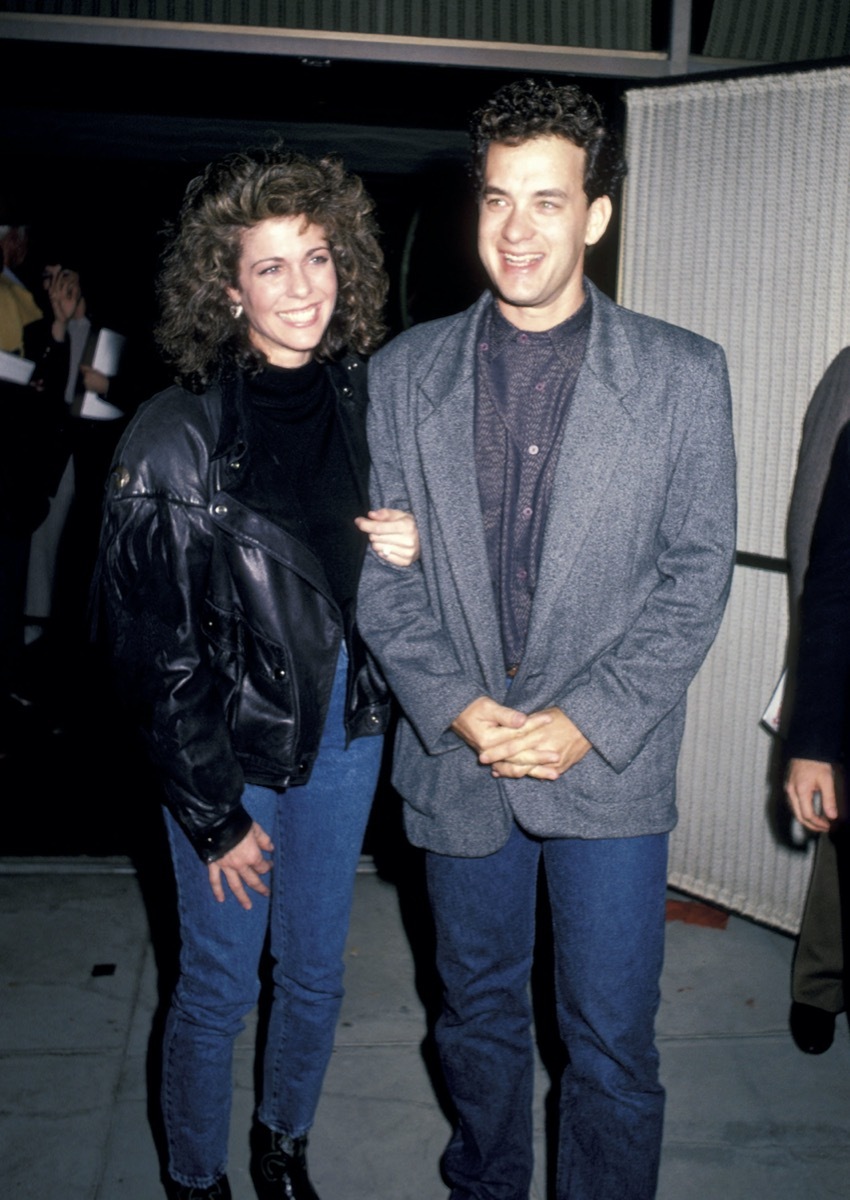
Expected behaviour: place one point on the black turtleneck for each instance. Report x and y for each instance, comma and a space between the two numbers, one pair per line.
302, 471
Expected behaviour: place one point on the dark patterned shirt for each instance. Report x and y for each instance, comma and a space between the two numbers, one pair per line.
524, 385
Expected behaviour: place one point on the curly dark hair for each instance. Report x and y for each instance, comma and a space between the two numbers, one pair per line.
197, 332
532, 108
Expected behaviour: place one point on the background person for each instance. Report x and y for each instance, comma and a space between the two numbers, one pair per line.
229, 569
817, 737
817, 977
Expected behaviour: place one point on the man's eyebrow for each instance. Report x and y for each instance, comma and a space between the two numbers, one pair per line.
491, 189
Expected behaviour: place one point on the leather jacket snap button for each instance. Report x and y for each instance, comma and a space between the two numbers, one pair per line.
280, 672
220, 509
121, 476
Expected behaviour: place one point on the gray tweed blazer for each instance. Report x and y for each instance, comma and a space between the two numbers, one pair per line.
636, 564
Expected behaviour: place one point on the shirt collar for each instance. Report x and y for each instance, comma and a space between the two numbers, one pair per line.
499, 333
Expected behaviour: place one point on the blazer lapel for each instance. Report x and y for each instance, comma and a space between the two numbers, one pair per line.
446, 441
598, 427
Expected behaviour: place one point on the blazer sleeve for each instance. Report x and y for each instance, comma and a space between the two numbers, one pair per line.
394, 612
642, 676
819, 724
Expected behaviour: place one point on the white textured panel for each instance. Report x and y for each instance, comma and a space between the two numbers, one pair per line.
735, 225
723, 848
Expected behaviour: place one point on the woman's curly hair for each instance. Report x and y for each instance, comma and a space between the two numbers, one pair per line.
532, 108
197, 332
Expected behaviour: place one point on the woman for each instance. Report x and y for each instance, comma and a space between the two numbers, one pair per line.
229, 569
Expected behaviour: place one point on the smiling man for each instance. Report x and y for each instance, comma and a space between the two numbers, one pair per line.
571, 469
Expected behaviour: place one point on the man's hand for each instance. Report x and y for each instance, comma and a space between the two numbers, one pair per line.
543, 751
392, 534
806, 781
244, 864
490, 728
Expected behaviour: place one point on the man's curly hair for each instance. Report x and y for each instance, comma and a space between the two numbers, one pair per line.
197, 332
532, 108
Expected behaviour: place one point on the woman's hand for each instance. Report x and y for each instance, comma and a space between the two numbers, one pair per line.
244, 864
393, 535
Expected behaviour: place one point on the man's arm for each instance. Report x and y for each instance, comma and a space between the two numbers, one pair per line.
818, 727
394, 611
630, 688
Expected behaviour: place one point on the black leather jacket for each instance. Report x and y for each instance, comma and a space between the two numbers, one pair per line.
224, 633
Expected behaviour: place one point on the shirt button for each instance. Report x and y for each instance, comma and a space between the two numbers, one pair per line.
484, 346
523, 337
522, 574
533, 449
540, 387
527, 511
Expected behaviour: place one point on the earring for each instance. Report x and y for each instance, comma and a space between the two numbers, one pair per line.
236, 311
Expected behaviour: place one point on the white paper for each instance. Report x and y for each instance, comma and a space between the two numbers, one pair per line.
106, 359
772, 715
15, 369
108, 351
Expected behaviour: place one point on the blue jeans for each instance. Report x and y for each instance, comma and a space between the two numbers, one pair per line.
317, 831
607, 899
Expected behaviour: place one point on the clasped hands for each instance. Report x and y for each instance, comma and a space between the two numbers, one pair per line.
542, 745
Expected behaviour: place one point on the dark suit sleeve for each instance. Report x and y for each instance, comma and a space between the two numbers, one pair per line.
819, 720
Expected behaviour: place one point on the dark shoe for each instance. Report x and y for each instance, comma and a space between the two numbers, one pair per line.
220, 1190
279, 1165
811, 1028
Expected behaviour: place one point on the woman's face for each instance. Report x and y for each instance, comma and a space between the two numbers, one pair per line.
287, 287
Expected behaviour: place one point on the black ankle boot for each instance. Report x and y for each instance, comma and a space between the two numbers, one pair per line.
279, 1165
220, 1190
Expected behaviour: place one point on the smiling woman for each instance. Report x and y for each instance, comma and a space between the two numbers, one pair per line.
230, 558
286, 288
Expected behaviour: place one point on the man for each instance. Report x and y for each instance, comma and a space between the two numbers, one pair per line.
817, 979
570, 466
817, 733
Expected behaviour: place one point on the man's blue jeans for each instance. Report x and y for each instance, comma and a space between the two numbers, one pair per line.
317, 832
607, 899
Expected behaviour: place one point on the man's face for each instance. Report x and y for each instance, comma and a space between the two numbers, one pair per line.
534, 222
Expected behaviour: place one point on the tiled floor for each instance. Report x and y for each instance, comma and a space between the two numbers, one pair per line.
748, 1116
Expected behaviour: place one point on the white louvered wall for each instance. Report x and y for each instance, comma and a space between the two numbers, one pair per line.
736, 224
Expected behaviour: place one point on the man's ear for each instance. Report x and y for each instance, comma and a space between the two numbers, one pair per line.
598, 216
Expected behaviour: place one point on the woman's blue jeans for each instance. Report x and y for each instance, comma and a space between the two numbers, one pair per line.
317, 831
607, 899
